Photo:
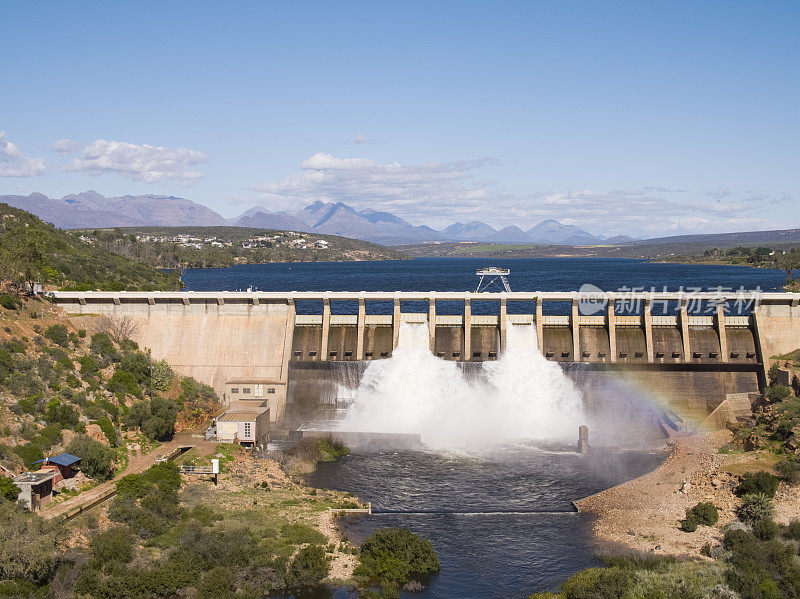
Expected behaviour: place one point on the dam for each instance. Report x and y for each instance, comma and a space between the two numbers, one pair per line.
255, 344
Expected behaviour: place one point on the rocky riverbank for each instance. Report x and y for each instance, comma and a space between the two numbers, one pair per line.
643, 514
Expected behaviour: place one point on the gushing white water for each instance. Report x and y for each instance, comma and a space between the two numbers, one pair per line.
520, 396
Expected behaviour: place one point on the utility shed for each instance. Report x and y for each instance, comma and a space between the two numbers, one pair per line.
36, 488
63, 465
248, 427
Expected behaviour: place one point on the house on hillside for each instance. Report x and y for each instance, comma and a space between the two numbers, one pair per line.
62, 465
36, 488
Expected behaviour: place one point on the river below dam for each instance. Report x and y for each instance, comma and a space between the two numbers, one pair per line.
498, 513
501, 520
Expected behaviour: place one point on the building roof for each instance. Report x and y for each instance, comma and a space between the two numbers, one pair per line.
62, 459
239, 416
34, 478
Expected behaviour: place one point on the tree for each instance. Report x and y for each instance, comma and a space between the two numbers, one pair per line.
308, 568
97, 460
8, 489
161, 375
156, 418
396, 556
58, 334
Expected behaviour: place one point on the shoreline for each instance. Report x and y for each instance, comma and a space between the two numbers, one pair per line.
642, 515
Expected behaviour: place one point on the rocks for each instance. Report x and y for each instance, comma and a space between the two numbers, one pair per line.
95, 432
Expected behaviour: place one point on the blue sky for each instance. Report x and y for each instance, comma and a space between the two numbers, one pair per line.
640, 118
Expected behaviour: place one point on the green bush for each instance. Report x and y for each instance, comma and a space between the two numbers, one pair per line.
758, 482
217, 583
8, 489
124, 382
778, 393
110, 547
161, 375
30, 453
396, 556
689, 524
766, 529
97, 460
58, 334
156, 418
789, 469
48, 436
705, 513
308, 568
9, 302
89, 364
597, 583
65, 415
102, 345
755, 507
793, 530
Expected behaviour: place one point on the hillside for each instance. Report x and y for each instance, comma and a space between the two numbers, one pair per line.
199, 247
34, 251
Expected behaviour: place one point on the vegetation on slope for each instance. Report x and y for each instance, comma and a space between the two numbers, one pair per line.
34, 251
200, 247
67, 389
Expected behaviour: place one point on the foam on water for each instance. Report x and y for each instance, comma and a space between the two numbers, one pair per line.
522, 395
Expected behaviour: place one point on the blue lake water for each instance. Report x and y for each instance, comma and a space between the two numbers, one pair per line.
455, 500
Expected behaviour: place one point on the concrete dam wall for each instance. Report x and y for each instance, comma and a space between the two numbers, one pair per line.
254, 344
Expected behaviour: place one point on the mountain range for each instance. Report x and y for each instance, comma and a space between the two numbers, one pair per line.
91, 209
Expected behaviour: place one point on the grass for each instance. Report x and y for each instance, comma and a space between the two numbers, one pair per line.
751, 461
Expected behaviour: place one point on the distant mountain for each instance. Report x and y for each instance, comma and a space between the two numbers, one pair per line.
91, 209
727, 239
552, 231
510, 235
340, 219
470, 231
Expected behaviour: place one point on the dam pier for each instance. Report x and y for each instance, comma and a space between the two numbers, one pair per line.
249, 345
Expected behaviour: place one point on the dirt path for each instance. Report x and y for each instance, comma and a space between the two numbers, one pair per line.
136, 464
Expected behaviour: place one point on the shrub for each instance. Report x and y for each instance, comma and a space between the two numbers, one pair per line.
705, 513
161, 375
8, 489
102, 345
793, 530
124, 382
308, 568
28, 406
789, 469
597, 583
48, 436
82, 333
397, 556
755, 507
65, 415
138, 364
758, 482
689, 524
217, 583
766, 529
89, 364
30, 453
778, 393
736, 538
97, 460
156, 418
58, 334
9, 302
112, 546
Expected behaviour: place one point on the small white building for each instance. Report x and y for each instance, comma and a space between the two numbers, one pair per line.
244, 424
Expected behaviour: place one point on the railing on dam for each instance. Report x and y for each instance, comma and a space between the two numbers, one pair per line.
592, 327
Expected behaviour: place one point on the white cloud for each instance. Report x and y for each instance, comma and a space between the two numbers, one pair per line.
13, 163
417, 190
65, 146
438, 194
362, 139
151, 164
